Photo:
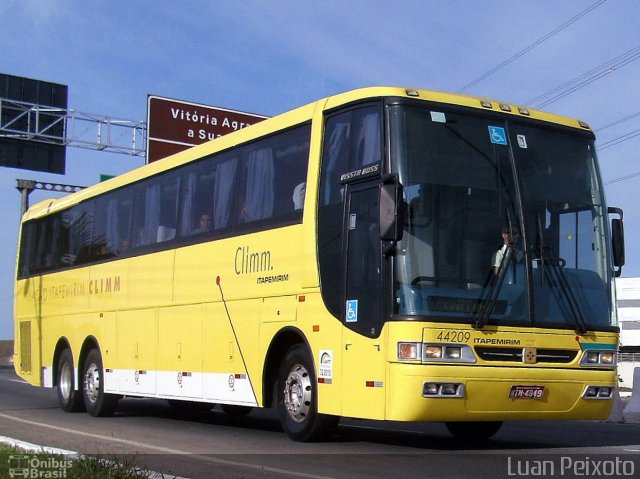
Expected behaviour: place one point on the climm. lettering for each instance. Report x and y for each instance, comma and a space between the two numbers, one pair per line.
104, 285
252, 262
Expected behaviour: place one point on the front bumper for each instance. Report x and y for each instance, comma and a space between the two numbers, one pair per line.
486, 393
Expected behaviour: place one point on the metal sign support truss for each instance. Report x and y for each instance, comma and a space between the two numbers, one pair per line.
29, 121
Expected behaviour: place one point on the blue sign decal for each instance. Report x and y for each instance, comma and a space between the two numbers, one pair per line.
352, 311
498, 135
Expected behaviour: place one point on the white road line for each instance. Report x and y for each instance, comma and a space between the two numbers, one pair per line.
166, 450
16, 381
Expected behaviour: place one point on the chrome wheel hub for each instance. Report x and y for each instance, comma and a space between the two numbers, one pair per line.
66, 381
297, 393
92, 382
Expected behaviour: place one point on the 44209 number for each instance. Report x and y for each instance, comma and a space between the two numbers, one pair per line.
454, 336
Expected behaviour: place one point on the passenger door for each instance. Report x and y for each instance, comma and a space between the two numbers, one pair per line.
363, 363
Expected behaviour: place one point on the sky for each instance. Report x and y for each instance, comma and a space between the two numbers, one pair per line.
268, 57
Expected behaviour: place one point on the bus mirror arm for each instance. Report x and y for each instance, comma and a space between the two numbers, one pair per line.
617, 240
391, 213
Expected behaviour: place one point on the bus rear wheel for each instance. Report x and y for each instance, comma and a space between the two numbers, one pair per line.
473, 431
69, 398
97, 402
298, 399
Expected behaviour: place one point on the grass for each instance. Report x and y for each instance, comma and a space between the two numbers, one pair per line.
58, 466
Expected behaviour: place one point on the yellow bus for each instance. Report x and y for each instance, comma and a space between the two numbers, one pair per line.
386, 253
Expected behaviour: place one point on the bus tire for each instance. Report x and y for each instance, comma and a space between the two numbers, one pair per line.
473, 431
96, 401
298, 399
69, 398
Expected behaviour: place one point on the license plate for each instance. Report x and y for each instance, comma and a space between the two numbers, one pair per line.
526, 392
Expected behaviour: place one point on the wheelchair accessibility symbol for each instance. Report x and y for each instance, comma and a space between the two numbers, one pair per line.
352, 311
498, 135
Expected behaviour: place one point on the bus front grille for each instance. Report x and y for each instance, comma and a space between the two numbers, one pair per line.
562, 356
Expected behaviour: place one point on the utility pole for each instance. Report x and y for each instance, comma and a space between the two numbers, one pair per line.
26, 187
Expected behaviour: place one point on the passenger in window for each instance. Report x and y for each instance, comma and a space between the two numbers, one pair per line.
243, 216
204, 224
501, 256
48, 261
124, 246
498, 259
139, 237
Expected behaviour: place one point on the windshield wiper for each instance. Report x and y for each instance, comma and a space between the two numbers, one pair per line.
556, 276
493, 285
494, 282
540, 247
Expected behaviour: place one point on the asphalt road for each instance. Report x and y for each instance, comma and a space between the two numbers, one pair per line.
210, 444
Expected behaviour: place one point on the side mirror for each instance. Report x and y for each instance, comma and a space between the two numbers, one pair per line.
617, 240
391, 209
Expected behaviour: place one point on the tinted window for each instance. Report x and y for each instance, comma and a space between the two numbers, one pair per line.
250, 188
113, 224
156, 210
272, 179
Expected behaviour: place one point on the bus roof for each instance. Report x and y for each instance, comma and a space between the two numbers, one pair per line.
292, 118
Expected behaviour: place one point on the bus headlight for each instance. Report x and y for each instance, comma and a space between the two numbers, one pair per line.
596, 357
608, 358
433, 352
409, 351
591, 357
451, 353
456, 353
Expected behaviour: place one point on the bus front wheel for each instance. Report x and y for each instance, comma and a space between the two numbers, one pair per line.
473, 431
69, 398
298, 399
97, 402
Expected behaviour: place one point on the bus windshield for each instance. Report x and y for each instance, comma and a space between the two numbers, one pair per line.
505, 222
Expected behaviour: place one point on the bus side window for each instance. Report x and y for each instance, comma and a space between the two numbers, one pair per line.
112, 222
271, 171
259, 185
157, 205
197, 199
44, 252
292, 158
226, 175
80, 235
27, 249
